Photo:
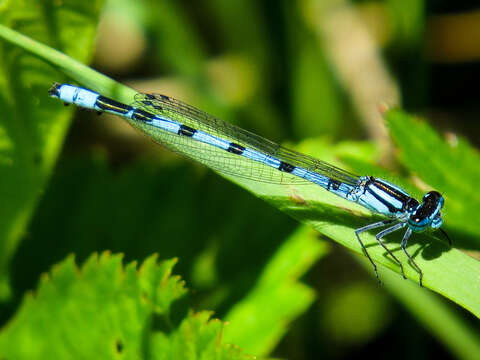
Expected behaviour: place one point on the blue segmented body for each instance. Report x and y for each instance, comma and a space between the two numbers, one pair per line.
232, 150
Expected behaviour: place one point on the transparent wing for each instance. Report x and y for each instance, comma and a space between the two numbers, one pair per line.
222, 160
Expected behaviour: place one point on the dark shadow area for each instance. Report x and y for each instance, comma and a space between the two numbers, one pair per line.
432, 246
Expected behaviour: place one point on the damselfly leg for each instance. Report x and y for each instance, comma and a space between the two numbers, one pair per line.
379, 237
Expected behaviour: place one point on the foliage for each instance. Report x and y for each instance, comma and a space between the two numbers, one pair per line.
31, 129
113, 311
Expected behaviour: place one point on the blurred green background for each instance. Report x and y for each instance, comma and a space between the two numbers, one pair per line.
287, 70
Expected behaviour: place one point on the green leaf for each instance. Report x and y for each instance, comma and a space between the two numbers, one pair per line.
173, 34
105, 311
68, 65
260, 320
252, 40
32, 129
451, 168
313, 85
439, 318
407, 21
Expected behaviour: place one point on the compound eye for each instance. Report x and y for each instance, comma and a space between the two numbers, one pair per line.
433, 197
427, 196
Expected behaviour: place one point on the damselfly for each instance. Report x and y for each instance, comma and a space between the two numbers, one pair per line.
232, 150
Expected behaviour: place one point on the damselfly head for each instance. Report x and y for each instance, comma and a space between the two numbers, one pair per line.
427, 215
434, 200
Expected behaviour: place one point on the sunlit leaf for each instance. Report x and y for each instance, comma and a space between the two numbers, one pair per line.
105, 310
260, 319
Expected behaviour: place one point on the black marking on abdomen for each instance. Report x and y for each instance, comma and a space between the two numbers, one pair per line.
333, 184
142, 115
149, 103
286, 167
236, 149
186, 131
107, 104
